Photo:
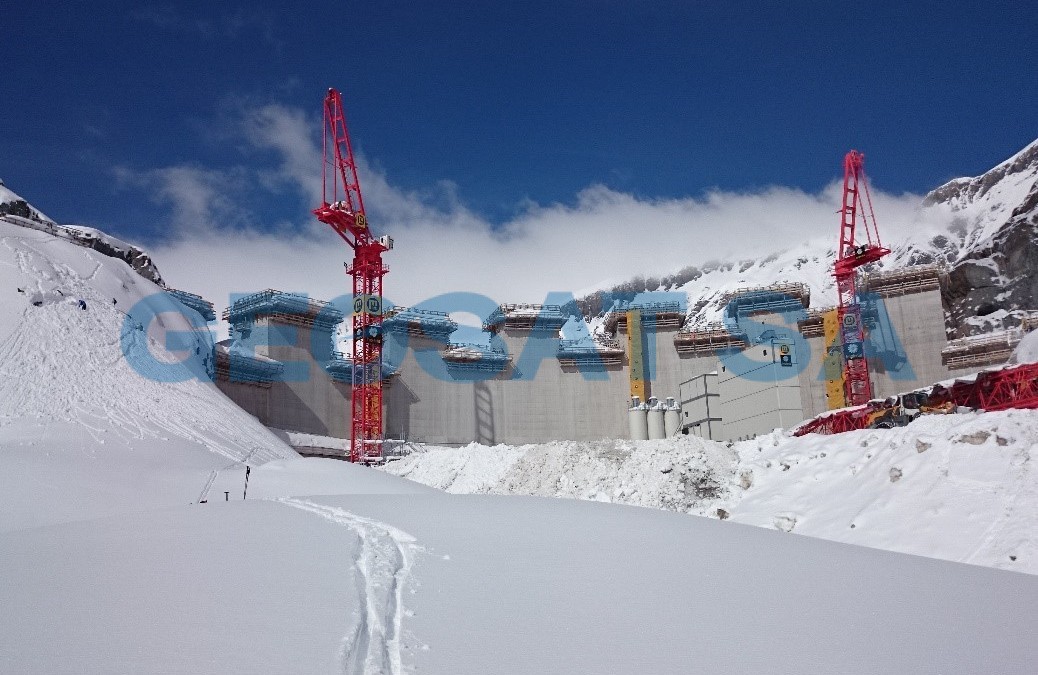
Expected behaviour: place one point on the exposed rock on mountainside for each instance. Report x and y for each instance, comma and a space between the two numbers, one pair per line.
993, 280
17, 211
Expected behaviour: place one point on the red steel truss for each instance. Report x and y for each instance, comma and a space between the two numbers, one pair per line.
342, 208
990, 390
850, 256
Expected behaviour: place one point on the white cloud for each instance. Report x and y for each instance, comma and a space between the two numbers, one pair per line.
604, 236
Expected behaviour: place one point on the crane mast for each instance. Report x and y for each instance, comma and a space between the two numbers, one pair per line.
342, 207
850, 256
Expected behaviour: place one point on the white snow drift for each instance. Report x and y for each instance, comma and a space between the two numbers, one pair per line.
958, 487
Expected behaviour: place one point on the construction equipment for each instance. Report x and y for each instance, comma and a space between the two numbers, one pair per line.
849, 257
342, 207
1011, 386
898, 411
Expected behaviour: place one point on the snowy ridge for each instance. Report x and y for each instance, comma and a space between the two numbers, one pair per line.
953, 224
956, 487
983, 204
13, 203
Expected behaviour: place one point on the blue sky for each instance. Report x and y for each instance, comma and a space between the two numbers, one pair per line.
145, 118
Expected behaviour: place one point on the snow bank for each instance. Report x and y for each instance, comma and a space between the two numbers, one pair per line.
686, 474
1027, 350
956, 487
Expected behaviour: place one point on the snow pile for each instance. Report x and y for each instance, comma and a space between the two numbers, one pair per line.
1027, 350
687, 474
956, 487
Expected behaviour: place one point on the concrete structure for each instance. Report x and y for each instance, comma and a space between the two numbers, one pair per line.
701, 406
763, 367
280, 365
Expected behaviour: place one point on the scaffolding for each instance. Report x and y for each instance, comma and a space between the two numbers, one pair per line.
341, 369
526, 317
768, 298
981, 350
233, 366
813, 325
708, 339
195, 302
658, 314
600, 351
904, 281
475, 356
284, 308
419, 322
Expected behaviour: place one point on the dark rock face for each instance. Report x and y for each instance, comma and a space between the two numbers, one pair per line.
140, 261
136, 258
1001, 273
18, 207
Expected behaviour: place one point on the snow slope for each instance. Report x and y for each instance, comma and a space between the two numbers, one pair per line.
959, 488
9, 197
75, 417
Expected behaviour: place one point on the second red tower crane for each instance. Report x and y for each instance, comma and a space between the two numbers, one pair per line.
849, 257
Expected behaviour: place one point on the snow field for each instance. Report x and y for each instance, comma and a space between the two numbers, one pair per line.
958, 487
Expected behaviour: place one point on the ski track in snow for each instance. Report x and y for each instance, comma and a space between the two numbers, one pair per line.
383, 567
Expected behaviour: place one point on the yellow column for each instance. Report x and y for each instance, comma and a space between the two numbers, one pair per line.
635, 351
832, 365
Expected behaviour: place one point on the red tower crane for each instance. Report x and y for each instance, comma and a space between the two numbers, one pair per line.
342, 207
849, 257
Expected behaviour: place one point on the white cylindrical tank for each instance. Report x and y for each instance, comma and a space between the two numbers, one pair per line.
638, 420
672, 418
655, 420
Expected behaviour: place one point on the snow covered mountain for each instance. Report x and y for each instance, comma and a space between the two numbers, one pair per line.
995, 216
18, 211
983, 230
